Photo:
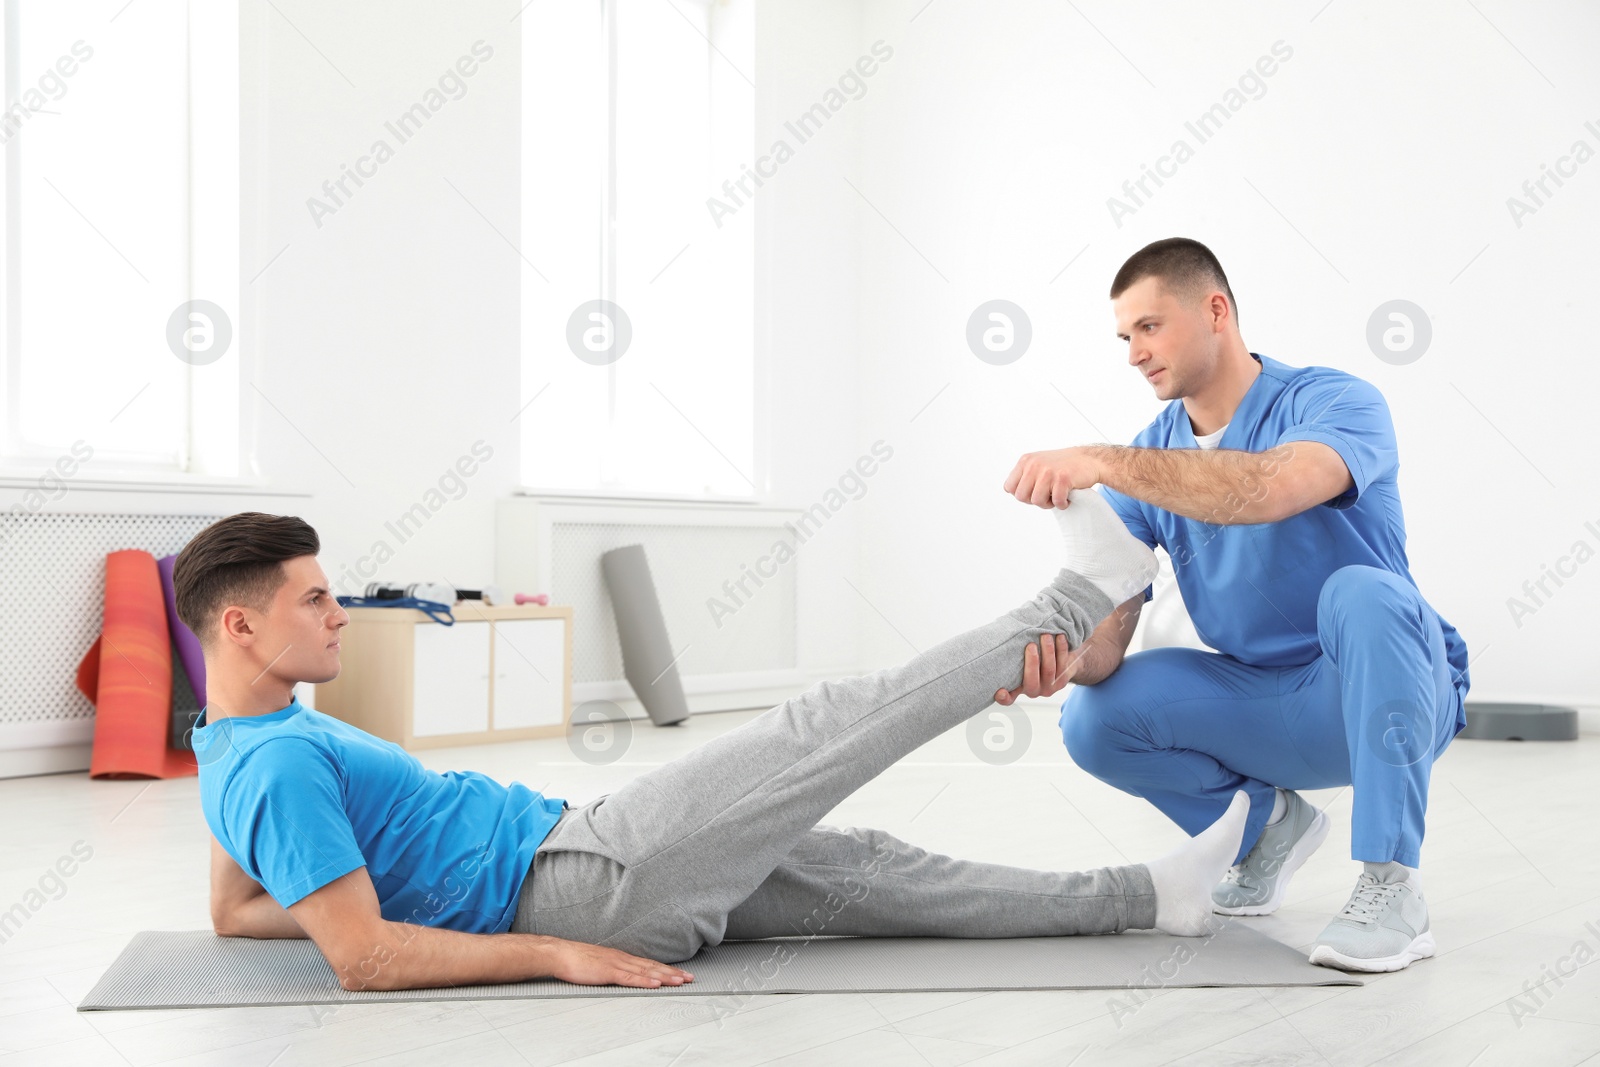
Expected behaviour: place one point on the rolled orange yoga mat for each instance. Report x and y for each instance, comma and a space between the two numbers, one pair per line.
128, 676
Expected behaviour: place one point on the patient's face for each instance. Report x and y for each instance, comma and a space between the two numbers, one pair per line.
298, 637
1170, 340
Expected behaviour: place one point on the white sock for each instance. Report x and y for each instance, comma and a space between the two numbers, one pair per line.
1394, 872
1100, 548
1184, 877
1280, 806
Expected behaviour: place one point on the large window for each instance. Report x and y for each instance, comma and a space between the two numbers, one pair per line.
121, 150
639, 373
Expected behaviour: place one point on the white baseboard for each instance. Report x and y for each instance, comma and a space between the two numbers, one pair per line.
28, 748
52, 759
721, 692
712, 693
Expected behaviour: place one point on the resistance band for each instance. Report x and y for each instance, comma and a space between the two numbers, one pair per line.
439, 613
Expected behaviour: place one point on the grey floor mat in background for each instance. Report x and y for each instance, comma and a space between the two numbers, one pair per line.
194, 969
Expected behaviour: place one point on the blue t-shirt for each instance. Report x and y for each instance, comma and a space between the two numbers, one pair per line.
299, 798
1252, 589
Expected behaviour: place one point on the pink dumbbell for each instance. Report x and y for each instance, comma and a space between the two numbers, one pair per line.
536, 598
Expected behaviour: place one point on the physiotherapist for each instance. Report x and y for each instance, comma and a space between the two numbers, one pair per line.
1275, 491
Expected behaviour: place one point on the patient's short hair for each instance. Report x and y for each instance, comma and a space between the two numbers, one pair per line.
1186, 268
237, 560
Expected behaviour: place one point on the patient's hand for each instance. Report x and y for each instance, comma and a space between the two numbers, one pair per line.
597, 965
1046, 669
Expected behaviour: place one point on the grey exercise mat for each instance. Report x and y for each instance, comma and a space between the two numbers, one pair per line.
196, 969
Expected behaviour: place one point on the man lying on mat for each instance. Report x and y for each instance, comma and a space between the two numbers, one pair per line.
406, 878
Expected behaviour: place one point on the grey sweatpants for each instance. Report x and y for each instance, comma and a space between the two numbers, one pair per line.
724, 842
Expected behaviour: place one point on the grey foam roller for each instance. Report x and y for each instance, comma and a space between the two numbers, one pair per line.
648, 661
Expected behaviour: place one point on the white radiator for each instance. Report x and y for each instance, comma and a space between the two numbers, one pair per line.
730, 604
52, 600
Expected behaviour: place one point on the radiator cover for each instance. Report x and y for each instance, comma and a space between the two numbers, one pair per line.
732, 618
53, 573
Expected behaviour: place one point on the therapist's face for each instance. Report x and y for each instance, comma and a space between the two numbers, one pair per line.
1175, 344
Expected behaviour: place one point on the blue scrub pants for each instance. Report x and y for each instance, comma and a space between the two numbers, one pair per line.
1185, 728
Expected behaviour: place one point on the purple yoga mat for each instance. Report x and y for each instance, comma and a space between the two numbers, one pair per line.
183, 638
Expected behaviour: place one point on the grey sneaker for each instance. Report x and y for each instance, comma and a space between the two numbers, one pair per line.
1256, 885
1383, 927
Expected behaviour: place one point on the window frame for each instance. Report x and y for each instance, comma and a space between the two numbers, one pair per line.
211, 242
760, 493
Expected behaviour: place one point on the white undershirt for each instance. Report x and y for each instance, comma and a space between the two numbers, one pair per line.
1210, 440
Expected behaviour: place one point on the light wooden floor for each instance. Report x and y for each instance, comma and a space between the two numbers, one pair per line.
1512, 868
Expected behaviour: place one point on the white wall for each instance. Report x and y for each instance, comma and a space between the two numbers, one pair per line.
387, 336
1381, 154
807, 292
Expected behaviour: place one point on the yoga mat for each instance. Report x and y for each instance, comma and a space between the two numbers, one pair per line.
185, 708
184, 641
197, 969
648, 661
188, 666
127, 674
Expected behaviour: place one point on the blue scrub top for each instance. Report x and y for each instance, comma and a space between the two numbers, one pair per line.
1252, 589
299, 798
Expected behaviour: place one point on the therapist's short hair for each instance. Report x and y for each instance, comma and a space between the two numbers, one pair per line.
1186, 268
237, 560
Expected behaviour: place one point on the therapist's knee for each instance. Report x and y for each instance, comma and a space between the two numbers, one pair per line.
1089, 719
1369, 596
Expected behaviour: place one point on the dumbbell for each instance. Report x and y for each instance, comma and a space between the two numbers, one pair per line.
435, 591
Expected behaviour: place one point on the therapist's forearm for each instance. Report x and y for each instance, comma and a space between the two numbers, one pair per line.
1092, 662
1221, 486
